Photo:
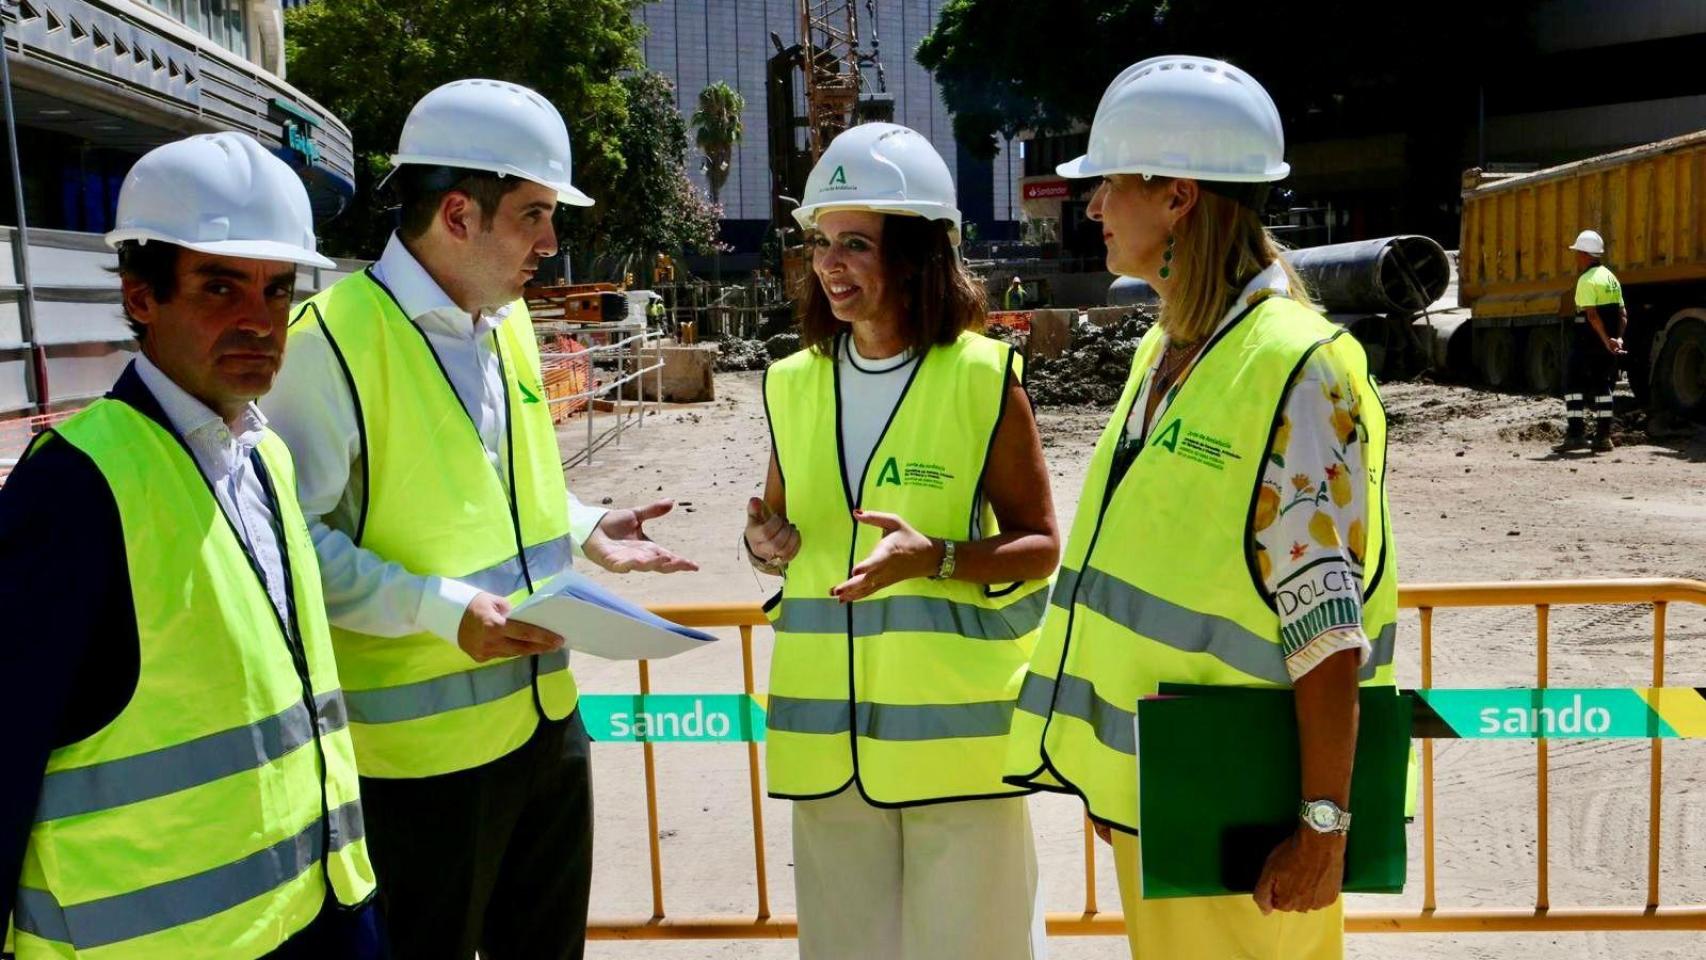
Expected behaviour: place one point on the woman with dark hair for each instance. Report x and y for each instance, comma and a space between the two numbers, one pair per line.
907, 508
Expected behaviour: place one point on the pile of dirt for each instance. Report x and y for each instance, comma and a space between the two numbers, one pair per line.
1094, 369
733, 353
783, 345
1005, 334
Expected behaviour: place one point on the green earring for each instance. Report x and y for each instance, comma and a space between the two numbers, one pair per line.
1167, 259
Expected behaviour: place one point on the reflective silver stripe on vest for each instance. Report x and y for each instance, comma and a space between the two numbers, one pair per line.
913, 615
1114, 726
544, 560
1078, 698
889, 721
175, 903
1065, 581
1188, 631
455, 691
1384, 646
168, 770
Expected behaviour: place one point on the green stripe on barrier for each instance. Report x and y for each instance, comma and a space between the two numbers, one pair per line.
1555, 713
672, 718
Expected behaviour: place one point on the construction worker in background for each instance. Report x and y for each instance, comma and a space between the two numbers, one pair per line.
1014, 298
179, 775
1595, 346
1232, 528
915, 534
431, 478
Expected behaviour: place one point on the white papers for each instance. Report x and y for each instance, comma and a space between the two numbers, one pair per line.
593, 620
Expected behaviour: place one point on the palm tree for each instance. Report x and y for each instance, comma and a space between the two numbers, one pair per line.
717, 128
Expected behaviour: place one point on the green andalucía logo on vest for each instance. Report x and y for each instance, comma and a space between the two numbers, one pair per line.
1194, 446
1169, 438
914, 474
529, 396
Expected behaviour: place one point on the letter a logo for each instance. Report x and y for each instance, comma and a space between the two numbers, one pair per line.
839, 176
1168, 438
890, 473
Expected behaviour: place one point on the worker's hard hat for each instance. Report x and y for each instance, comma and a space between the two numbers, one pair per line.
1178, 116
1015, 279
1590, 243
491, 125
220, 194
883, 168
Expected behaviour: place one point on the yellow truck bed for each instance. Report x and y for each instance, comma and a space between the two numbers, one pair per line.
1649, 203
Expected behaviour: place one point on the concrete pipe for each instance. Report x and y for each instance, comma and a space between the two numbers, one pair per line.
1393, 275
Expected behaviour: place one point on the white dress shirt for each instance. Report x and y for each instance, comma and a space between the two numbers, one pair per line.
311, 408
223, 458
870, 391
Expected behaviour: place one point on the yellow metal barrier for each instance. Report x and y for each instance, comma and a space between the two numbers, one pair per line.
1091, 921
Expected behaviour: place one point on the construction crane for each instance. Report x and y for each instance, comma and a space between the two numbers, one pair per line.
833, 64
835, 70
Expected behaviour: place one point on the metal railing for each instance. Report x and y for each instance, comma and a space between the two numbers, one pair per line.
1090, 920
628, 355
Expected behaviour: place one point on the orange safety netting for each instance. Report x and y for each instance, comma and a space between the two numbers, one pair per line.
16, 434
567, 372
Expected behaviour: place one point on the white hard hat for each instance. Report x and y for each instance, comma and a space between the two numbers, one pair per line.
220, 194
491, 125
1178, 116
1590, 243
884, 168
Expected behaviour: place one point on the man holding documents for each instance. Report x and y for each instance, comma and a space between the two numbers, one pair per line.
1233, 529
177, 775
431, 479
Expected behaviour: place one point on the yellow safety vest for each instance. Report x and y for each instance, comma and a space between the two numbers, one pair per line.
418, 705
208, 817
1160, 584
909, 692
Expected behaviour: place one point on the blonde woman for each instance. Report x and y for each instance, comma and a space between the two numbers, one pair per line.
1233, 526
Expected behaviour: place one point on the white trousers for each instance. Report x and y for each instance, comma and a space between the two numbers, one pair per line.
946, 881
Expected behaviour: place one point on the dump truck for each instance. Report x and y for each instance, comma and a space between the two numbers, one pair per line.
1517, 274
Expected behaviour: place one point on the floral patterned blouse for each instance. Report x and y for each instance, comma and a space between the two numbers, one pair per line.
1311, 521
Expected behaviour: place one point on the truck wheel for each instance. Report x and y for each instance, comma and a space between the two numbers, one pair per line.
1495, 356
1543, 361
1679, 376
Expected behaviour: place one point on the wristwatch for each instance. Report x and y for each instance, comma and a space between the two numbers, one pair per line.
946, 569
1325, 816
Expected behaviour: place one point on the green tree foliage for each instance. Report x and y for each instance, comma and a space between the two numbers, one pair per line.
717, 128
658, 207
368, 61
1335, 67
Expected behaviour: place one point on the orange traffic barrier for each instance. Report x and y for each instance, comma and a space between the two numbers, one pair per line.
1090, 920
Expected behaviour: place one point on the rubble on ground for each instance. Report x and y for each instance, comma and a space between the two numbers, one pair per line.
734, 354
783, 345
1006, 334
1094, 369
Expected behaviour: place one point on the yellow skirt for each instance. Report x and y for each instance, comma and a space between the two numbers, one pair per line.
1220, 928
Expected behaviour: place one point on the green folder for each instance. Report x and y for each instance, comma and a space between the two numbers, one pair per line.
1220, 787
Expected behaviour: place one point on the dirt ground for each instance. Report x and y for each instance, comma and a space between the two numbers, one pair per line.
1476, 495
